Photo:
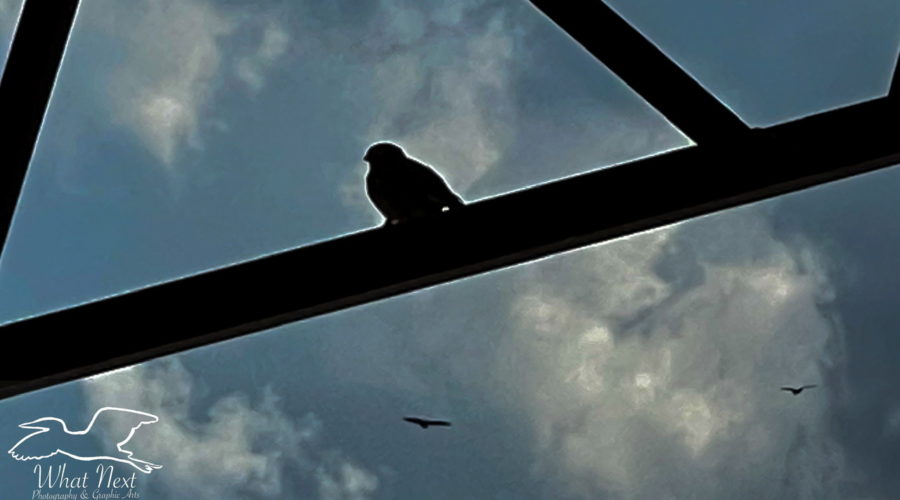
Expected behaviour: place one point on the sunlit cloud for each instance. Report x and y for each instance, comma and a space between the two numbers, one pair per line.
649, 386
233, 447
647, 367
165, 90
439, 77
450, 93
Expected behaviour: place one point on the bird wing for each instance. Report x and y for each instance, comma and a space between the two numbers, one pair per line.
788, 389
377, 194
34, 447
431, 183
809, 386
427, 421
119, 423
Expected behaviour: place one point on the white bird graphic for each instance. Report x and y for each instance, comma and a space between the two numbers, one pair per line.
54, 437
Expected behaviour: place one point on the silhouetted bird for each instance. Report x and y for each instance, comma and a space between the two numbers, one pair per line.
426, 422
797, 390
402, 188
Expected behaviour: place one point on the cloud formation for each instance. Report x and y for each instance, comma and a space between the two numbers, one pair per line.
450, 93
653, 365
164, 90
235, 447
461, 85
645, 368
251, 69
434, 77
465, 87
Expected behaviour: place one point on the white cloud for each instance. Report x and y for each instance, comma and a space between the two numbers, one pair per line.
161, 89
273, 43
175, 58
439, 89
235, 447
448, 82
644, 368
438, 77
348, 482
639, 386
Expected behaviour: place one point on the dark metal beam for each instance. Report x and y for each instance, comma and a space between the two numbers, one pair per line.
641, 65
486, 235
27, 82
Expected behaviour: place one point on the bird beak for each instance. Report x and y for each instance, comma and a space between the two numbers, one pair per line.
366, 157
29, 425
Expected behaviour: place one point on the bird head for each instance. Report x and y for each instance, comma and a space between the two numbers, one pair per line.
384, 152
41, 424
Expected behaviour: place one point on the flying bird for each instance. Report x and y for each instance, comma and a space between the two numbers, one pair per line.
426, 422
797, 390
53, 436
402, 188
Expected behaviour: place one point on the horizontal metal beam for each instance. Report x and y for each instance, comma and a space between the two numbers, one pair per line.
27, 82
486, 235
646, 69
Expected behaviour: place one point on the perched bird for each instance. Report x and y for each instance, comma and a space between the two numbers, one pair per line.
402, 188
426, 422
797, 390
53, 436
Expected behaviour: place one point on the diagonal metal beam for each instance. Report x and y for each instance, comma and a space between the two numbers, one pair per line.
27, 82
486, 235
646, 69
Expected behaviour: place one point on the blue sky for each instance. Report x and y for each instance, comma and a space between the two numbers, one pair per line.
9, 14
640, 368
164, 112
643, 368
775, 60
182, 136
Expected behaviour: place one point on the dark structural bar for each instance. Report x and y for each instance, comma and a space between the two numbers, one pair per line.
732, 165
237, 300
25, 89
645, 69
486, 235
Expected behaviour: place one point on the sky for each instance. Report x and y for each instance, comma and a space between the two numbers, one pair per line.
776, 60
643, 368
183, 136
648, 367
9, 15
191, 134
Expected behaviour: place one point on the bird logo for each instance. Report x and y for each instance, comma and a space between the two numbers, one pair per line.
52, 436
